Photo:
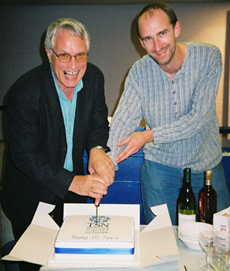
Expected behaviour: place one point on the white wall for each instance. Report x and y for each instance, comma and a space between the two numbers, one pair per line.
113, 38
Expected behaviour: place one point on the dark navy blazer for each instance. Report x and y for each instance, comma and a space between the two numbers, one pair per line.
37, 142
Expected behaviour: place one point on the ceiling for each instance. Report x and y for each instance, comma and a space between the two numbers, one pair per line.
92, 2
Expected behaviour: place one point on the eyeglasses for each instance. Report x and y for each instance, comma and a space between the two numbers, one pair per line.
64, 58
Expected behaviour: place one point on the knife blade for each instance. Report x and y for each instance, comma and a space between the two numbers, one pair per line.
97, 203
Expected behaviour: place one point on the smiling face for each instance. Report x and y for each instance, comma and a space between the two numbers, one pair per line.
67, 74
158, 36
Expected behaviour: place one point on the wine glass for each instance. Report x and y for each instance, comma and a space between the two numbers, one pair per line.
221, 255
206, 242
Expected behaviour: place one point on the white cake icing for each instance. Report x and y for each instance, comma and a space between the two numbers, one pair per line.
84, 236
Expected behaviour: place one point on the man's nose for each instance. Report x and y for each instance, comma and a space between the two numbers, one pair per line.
73, 62
157, 44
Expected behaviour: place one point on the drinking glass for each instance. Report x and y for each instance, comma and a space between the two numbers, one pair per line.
221, 253
206, 243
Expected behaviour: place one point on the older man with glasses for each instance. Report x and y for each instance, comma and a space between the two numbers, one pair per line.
55, 112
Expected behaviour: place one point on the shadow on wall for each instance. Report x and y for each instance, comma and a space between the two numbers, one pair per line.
135, 39
141, 52
42, 48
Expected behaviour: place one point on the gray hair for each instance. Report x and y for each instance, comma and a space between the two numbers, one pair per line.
72, 25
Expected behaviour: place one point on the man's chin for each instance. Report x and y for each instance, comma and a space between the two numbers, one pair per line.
70, 84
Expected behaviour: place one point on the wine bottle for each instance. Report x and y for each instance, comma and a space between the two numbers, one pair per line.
186, 202
207, 200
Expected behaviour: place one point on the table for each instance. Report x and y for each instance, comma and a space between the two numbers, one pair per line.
192, 259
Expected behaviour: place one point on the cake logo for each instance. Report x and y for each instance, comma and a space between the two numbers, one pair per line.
101, 221
98, 224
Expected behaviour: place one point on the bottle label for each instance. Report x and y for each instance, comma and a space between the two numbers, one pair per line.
186, 218
201, 211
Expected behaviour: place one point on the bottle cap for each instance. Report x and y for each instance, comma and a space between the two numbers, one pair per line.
208, 177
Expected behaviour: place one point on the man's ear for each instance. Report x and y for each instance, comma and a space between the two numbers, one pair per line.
48, 54
177, 29
142, 43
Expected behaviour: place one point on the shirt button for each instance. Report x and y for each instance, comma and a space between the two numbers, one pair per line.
172, 82
173, 92
63, 149
175, 103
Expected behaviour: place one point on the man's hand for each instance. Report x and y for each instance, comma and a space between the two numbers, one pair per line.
88, 185
101, 164
134, 143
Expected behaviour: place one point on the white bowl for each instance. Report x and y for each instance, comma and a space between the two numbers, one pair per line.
189, 232
192, 229
189, 241
188, 237
192, 245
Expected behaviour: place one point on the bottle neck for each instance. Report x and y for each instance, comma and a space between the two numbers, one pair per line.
208, 182
187, 178
208, 178
187, 183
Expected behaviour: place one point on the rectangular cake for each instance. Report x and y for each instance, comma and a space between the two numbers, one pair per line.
86, 235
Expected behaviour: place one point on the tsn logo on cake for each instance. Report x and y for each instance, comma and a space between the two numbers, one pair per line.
99, 222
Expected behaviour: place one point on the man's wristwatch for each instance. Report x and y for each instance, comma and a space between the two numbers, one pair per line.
105, 149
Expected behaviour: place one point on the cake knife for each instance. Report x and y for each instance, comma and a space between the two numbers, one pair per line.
97, 203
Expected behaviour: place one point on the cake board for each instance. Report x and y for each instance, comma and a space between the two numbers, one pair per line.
131, 210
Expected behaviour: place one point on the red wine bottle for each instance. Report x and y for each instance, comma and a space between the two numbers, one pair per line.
207, 200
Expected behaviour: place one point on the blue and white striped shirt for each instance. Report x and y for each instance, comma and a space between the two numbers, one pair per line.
181, 111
